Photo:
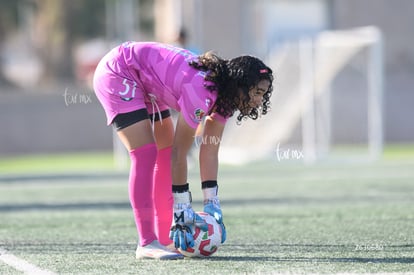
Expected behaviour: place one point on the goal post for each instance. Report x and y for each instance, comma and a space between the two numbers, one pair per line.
305, 109
321, 53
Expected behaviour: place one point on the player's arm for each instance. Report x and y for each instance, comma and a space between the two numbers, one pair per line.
184, 138
209, 148
185, 218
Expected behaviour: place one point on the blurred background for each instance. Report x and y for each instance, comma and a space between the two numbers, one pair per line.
352, 58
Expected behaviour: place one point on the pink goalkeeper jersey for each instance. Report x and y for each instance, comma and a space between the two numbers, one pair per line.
155, 76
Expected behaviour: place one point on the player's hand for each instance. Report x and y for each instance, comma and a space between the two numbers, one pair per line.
212, 207
183, 228
182, 236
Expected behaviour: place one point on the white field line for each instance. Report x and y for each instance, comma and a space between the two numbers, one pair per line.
21, 265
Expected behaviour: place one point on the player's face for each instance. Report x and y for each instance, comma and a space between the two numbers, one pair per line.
256, 93
256, 96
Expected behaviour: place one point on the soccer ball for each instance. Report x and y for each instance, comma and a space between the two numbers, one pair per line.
206, 243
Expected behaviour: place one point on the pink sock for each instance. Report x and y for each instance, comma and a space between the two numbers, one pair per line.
163, 199
140, 190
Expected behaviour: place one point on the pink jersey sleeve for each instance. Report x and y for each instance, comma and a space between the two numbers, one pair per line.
219, 118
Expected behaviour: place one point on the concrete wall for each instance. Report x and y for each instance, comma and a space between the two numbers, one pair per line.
395, 19
50, 123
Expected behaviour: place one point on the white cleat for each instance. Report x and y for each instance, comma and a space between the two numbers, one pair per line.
155, 250
172, 248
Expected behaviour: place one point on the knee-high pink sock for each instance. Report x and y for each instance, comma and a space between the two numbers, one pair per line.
140, 190
163, 195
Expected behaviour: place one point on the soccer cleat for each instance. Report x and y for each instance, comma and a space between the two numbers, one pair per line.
155, 250
171, 247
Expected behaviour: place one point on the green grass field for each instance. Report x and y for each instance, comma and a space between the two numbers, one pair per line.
281, 217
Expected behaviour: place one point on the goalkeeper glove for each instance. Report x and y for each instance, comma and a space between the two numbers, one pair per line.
212, 207
185, 221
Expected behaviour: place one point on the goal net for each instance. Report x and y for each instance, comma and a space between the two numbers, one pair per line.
327, 99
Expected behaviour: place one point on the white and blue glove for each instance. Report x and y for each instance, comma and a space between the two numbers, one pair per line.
212, 207
183, 228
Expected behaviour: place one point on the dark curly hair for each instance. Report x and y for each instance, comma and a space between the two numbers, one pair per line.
231, 76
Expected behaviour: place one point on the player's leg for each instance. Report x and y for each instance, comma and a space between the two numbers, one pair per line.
133, 127
135, 131
163, 200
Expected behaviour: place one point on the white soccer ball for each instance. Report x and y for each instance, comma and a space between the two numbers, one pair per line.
205, 243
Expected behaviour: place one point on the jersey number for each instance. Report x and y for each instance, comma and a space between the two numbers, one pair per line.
128, 94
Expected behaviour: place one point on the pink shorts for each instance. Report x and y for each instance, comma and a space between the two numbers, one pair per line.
119, 94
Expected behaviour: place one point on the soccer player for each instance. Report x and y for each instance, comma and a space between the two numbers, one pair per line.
137, 83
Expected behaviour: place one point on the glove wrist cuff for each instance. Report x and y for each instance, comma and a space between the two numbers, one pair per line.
182, 198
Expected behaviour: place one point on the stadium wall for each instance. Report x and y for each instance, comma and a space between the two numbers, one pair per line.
395, 20
69, 121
